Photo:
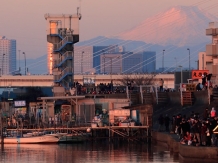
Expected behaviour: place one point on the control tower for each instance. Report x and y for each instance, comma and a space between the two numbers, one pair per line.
62, 34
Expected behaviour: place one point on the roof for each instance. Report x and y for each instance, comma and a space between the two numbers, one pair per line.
61, 97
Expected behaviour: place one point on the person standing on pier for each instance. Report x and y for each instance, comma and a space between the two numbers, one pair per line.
161, 85
161, 122
167, 123
213, 113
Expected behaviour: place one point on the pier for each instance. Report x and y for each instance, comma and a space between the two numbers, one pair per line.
110, 133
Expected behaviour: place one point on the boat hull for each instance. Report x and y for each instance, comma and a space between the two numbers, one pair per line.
31, 140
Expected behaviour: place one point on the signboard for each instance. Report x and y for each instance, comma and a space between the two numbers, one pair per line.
197, 74
191, 87
89, 80
19, 103
121, 112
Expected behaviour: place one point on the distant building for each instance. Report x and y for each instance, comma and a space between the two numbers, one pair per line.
111, 63
101, 50
83, 60
112, 59
141, 62
7, 56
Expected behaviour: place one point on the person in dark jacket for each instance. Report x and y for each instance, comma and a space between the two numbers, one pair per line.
185, 127
197, 129
167, 123
161, 123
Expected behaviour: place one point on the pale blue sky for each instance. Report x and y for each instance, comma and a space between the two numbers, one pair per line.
24, 21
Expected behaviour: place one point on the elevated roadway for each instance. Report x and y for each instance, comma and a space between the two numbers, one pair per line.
47, 80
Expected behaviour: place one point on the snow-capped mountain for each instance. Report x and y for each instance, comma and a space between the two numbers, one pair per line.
178, 26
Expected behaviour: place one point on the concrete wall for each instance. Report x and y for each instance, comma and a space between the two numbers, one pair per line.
174, 97
187, 154
201, 97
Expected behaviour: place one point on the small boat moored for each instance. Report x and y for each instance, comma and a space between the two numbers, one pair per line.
31, 139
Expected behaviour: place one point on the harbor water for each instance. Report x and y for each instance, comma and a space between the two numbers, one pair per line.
91, 152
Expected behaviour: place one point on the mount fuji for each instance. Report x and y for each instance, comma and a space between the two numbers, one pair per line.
173, 30
178, 26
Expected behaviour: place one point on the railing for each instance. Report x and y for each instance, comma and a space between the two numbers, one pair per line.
67, 55
64, 41
64, 72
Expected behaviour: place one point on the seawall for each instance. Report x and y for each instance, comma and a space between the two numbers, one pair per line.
187, 154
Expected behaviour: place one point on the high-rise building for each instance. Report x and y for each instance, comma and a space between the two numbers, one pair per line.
140, 62
83, 60
101, 50
111, 63
7, 56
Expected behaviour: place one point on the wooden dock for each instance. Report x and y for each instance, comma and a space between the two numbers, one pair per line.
110, 133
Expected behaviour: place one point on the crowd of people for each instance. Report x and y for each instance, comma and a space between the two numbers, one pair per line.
196, 130
102, 88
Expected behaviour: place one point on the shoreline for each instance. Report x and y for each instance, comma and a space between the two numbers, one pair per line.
187, 154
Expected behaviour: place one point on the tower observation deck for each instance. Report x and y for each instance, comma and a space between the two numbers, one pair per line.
62, 34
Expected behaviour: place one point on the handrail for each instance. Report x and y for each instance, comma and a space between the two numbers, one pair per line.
62, 42
65, 71
64, 57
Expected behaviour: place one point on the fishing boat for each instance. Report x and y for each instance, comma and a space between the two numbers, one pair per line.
31, 139
71, 138
68, 138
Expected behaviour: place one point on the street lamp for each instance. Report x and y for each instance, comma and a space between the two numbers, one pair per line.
176, 63
19, 60
82, 62
189, 61
3, 56
25, 61
181, 73
163, 61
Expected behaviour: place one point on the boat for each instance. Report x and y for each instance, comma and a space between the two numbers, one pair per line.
31, 139
68, 138
71, 138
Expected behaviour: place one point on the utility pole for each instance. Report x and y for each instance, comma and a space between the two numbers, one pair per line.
189, 63
3, 56
202, 61
82, 62
163, 61
25, 61
19, 59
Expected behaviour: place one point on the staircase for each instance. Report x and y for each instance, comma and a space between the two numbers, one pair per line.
215, 95
187, 98
162, 97
148, 98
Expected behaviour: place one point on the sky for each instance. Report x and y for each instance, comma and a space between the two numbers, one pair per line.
23, 20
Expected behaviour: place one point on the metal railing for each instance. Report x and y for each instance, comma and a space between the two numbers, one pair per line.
67, 39
67, 55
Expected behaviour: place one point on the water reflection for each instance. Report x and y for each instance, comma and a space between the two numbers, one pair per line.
87, 152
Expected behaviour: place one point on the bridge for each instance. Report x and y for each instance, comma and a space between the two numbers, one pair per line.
48, 80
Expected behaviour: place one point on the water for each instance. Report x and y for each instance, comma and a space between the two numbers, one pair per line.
86, 153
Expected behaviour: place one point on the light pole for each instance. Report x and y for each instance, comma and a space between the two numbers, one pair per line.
19, 60
189, 61
3, 63
25, 61
104, 60
163, 61
82, 63
181, 74
176, 62
3, 56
